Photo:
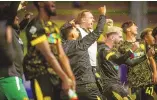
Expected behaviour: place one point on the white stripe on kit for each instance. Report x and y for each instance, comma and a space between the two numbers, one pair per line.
17, 82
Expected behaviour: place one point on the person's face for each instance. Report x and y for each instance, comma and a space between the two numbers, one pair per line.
16, 20
16, 23
133, 29
75, 33
50, 8
88, 20
118, 38
149, 39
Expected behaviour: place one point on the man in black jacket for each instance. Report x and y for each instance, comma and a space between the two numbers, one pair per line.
77, 51
11, 58
109, 70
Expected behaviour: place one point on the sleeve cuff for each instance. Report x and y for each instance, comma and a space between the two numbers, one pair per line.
38, 40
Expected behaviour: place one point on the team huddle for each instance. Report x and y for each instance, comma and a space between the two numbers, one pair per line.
62, 62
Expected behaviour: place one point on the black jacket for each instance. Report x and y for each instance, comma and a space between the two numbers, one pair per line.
77, 52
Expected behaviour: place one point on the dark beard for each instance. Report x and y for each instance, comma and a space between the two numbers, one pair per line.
16, 26
49, 12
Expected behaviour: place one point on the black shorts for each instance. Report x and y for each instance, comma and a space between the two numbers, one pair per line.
42, 86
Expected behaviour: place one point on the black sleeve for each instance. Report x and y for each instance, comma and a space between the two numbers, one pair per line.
120, 58
130, 60
114, 56
133, 62
89, 39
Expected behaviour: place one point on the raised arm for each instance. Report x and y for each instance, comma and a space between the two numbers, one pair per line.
89, 39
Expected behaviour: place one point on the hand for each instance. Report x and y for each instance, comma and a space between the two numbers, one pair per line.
22, 5
155, 77
135, 46
109, 22
28, 15
72, 21
67, 84
102, 10
73, 82
74, 85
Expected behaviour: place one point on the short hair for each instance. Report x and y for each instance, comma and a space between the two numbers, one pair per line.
154, 32
81, 15
36, 4
145, 32
111, 33
65, 30
126, 25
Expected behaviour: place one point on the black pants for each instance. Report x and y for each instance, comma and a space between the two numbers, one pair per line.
48, 90
88, 92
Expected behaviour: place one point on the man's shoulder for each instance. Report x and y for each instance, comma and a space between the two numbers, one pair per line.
69, 44
35, 27
34, 24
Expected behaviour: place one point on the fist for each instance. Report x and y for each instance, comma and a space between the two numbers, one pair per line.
28, 15
102, 10
109, 22
72, 22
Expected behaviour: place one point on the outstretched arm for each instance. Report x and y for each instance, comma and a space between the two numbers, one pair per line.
89, 39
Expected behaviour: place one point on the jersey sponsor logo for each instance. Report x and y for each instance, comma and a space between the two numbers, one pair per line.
33, 30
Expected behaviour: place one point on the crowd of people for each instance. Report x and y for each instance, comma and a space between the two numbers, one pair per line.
69, 58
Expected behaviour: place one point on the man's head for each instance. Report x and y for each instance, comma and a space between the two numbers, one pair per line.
114, 37
48, 6
114, 32
146, 35
69, 32
86, 19
154, 33
129, 27
16, 23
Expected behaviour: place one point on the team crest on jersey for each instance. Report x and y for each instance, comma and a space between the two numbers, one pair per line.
33, 29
